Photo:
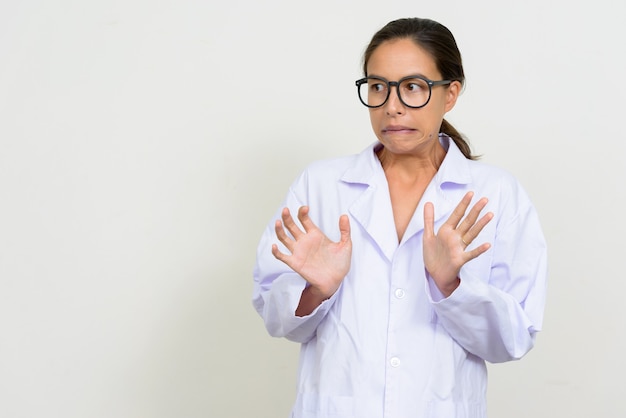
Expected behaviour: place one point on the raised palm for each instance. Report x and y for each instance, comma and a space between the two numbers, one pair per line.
321, 262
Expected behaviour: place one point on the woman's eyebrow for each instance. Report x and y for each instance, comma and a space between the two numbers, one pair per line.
406, 76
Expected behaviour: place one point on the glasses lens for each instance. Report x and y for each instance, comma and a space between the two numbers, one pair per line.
414, 92
374, 92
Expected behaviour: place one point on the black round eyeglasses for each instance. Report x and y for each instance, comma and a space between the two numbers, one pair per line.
413, 91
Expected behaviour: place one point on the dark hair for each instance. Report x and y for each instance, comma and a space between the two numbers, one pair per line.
439, 42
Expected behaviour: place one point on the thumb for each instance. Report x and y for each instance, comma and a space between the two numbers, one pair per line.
344, 228
429, 220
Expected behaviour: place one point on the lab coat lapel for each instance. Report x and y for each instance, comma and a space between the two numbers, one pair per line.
445, 190
372, 208
443, 207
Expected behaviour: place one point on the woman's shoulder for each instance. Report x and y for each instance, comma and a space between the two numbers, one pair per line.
499, 183
491, 171
457, 167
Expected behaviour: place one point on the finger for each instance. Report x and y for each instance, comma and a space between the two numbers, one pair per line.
478, 226
344, 229
278, 254
290, 224
473, 214
477, 251
282, 236
429, 220
305, 220
459, 211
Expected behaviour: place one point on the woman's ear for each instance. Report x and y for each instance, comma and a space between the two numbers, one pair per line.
452, 93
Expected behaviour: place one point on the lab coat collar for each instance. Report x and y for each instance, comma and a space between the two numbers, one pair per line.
372, 209
454, 168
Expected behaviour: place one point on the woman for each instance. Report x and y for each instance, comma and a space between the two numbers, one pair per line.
438, 263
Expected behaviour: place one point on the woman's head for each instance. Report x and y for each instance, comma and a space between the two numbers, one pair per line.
439, 45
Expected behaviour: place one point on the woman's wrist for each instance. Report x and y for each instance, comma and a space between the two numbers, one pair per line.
310, 299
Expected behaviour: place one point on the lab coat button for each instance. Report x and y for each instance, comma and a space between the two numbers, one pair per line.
400, 293
395, 362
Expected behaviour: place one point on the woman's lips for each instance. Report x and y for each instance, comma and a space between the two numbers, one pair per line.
397, 129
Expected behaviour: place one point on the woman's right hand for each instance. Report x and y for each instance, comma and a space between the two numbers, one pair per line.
320, 261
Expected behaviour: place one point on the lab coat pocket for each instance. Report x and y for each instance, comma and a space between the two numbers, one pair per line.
457, 380
448, 358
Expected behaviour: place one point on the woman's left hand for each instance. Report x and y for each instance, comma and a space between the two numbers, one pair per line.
444, 253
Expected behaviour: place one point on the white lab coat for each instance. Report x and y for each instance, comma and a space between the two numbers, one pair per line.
387, 344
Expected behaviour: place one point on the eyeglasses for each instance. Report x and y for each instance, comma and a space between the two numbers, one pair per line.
413, 91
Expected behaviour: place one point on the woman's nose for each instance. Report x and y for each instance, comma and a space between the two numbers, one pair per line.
394, 106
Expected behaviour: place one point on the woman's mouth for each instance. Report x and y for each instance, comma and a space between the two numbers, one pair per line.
397, 129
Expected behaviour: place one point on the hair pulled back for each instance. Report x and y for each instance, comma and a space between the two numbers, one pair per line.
439, 42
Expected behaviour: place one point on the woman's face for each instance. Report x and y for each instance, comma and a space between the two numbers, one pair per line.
401, 129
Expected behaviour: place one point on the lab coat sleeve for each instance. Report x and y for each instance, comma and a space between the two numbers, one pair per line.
277, 288
497, 319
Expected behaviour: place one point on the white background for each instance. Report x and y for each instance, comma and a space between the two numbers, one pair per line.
145, 144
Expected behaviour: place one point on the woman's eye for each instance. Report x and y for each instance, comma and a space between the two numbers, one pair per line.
377, 87
413, 87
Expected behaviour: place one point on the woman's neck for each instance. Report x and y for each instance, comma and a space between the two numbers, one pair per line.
411, 167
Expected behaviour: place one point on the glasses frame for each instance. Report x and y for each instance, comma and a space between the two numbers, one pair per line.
431, 84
